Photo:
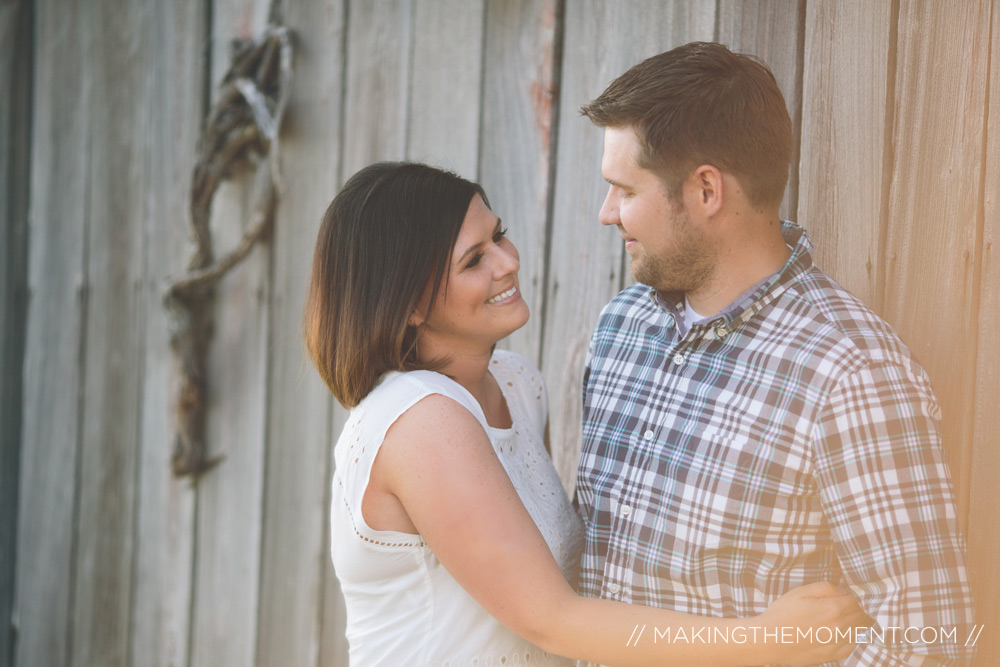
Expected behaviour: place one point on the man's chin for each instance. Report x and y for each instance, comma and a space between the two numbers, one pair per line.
640, 274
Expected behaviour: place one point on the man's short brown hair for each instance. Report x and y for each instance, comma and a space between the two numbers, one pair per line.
703, 104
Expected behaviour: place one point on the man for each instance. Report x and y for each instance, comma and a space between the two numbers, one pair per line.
748, 424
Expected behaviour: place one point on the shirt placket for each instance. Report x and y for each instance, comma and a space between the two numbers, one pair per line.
629, 504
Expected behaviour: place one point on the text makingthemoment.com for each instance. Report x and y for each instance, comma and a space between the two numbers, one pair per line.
888, 636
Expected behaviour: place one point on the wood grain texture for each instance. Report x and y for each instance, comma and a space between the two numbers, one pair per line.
845, 139
15, 131
229, 506
52, 366
118, 563
376, 102
171, 99
379, 43
933, 234
770, 30
520, 94
113, 336
445, 84
984, 529
333, 643
586, 259
298, 403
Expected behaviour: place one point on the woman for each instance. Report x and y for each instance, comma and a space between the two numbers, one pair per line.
451, 535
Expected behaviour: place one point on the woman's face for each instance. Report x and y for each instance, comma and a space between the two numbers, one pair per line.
480, 302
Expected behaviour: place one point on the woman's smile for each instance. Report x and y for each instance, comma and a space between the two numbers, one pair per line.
504, 297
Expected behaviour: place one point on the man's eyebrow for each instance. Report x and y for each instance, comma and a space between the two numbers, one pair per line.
476, 246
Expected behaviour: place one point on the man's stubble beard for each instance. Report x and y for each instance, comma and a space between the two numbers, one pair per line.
685, 267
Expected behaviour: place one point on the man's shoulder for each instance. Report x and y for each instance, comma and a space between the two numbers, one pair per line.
843, 320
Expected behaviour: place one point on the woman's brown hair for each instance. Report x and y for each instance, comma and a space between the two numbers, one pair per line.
388, 233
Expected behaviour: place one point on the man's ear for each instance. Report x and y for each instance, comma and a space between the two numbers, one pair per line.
707, 184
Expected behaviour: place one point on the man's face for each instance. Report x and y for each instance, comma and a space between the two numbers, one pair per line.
667, 251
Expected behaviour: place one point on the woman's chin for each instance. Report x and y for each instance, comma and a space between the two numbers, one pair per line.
517, 322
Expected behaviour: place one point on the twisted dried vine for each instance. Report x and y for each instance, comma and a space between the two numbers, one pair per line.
241, 130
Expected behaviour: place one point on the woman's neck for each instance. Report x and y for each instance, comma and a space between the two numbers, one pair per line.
472, 372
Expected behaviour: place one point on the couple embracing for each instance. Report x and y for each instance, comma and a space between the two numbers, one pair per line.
761, 473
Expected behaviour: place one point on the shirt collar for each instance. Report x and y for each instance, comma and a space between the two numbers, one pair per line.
754, 299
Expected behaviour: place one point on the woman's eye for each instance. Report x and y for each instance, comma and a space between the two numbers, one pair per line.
475, 260
499, 235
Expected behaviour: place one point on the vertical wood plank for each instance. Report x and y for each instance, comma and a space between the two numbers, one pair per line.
172, 99
933, 234
228, 533
845, 139
520, 92
117, 93
333, 642
115, 323
984, 532
443, 117
586, 260
229, 506
770, 30
379, 43
52, 373
15, 127
375, 110
294, 550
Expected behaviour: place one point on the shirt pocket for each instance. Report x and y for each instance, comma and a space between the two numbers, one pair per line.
758, 492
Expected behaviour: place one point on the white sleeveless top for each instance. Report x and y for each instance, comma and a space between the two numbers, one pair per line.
403, 607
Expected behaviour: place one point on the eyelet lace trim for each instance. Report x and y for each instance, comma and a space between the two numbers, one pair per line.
536, 657
417, 541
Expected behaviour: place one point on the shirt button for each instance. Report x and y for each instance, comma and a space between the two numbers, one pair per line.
614, 588
626, 510
648, 435
721, 332
678, 359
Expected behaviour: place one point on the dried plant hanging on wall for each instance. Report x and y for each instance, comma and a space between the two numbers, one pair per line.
241, 131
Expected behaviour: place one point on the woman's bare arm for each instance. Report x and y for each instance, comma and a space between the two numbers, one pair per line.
437, 463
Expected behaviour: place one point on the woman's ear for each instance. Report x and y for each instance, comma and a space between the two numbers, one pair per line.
419, 313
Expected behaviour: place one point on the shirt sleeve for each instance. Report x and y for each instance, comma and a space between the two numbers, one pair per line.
888, 498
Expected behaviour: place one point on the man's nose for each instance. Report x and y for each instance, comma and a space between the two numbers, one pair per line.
609, 209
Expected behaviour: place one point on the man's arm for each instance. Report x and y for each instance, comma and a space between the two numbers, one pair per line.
888, 497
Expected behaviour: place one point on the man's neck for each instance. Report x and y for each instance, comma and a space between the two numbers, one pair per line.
746, 258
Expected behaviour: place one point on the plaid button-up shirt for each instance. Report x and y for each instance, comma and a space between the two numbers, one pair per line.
792, 438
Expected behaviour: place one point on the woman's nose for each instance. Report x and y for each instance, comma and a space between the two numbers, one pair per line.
509, 261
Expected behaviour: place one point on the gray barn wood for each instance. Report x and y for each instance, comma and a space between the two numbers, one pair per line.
116, 562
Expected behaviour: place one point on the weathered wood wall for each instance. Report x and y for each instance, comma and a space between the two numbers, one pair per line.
897, 177
15, 124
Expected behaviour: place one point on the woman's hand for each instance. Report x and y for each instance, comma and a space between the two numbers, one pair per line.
802, 625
